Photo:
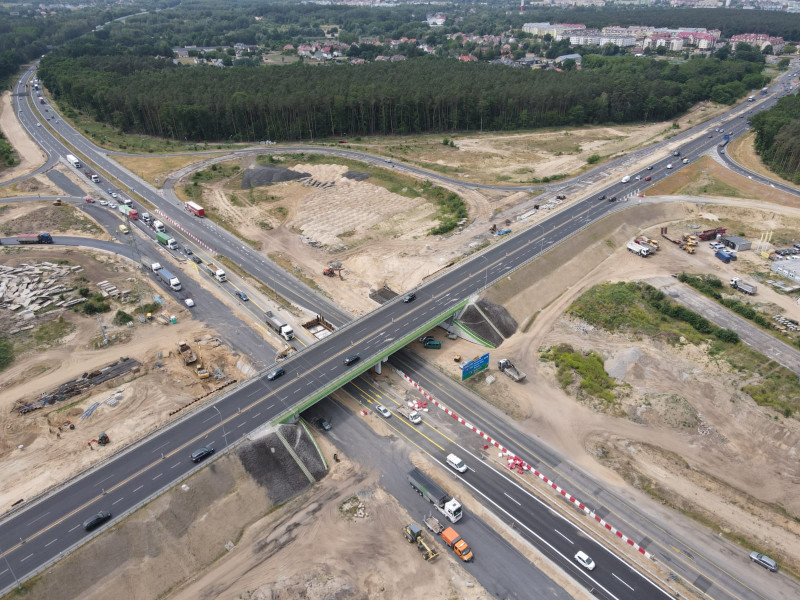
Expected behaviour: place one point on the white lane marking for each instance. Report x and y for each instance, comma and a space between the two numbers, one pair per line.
39, 517
115, 501
241, 425
563, 536
622, 582
26, 558
255, 415
1, 572
74, 528
270, 406
102, 480
211, 417
157, 476
138, 488
175, 465
512, 499
160, 447
53, 541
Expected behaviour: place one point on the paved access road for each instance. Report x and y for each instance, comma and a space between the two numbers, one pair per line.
751, 334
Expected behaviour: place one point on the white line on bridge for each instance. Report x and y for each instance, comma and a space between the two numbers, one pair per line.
74, 528
138, 488
26, 558
510, 498
157, 476
209, 418
175, 465
102, 480
255, 415
53, 541
39, 517
240, 425
115, 501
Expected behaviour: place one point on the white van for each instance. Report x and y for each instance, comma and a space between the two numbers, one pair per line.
456, 463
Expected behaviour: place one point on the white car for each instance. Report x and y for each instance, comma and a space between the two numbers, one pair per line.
189, 302
113, 194
638, 177
583, 560
384, 412
112, 205
103, 203
669, 166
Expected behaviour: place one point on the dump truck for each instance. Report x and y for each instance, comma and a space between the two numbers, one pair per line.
450, 537
507, 367
34, 238
643, 241
638, 249
457, 543
216, 272
411, 415
173, 282
441, 500
279, 325
413, 533
747, 288
711, 234
186, 353
436, 344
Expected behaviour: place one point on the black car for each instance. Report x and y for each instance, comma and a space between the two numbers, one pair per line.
96, 520
197, 259
276, 373
322, 423
649, 168
561, 197
612, 199
603, 197
202, 453
241, 295
188, 252
676, 153
353, 358
409, 297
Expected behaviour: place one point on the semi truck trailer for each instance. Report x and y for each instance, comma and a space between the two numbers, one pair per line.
441, 500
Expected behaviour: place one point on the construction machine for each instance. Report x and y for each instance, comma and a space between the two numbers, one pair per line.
413, 533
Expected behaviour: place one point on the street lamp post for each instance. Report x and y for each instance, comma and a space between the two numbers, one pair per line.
225, 435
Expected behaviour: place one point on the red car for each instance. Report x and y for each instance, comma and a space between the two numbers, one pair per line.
90, 200
648, 178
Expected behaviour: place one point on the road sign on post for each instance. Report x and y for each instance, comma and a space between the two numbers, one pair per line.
474, 366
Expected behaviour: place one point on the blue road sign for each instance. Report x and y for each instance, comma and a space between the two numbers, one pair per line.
474, 366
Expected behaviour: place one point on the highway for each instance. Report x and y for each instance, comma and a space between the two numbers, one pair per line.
39, 533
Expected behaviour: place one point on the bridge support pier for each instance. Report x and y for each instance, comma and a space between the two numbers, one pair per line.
378, 365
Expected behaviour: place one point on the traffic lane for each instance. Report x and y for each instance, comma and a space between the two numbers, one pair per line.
542, 527
497, 566
696, 566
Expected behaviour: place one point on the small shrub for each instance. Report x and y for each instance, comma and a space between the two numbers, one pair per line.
121, 318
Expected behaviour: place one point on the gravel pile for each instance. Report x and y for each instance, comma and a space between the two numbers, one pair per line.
272, 466
356, 175
267, 175
382, 295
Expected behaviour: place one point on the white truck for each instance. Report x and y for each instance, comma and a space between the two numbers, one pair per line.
146, 218
410, 415
747, 288
173, 282
159, 227
638, 249
441, 500
279, 325
216, 272
73, 160
509, 369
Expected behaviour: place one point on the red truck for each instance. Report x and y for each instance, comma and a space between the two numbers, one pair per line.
195, 209
711, 234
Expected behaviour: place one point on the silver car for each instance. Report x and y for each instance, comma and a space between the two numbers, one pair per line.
384, 412
764, 560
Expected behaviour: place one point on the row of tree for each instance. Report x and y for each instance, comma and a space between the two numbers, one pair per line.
156, 97
778, 137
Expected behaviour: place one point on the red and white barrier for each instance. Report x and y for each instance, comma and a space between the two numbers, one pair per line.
186, 233
515, 463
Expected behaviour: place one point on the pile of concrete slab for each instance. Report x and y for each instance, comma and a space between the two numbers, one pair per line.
28, 289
